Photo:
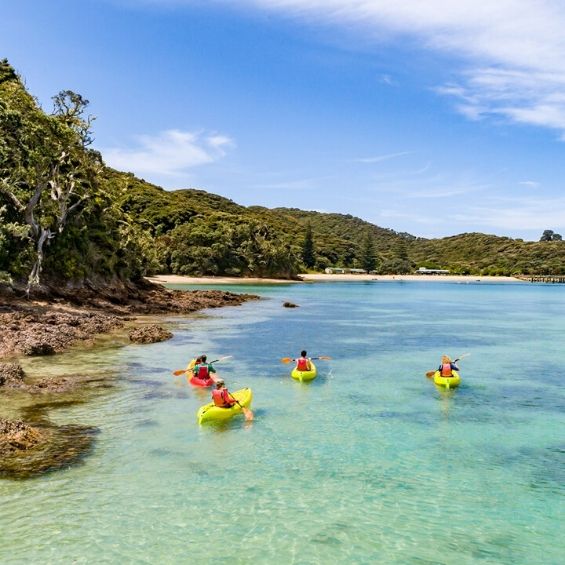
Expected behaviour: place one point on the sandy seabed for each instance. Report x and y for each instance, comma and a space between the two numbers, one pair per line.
178, 279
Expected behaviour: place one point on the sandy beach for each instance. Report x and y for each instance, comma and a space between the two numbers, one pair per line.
306, 277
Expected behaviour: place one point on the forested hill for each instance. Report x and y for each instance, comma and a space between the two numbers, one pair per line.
65, 217
201, 233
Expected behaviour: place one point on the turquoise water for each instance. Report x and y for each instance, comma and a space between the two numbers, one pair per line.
370, 463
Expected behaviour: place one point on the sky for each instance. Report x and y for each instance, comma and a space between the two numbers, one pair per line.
434, 118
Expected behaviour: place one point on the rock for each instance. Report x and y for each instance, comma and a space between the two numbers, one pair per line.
290, 305
11, 374
37, 348
54, 385
36, 330
27, 451
16, 436
149, 334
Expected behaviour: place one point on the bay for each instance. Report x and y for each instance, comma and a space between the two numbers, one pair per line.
368, 463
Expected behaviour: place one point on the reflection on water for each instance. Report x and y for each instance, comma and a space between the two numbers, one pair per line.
369, 463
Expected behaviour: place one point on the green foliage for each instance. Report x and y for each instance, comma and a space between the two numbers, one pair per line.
550, 235
226, 244
60, 212
308, 255
368, 255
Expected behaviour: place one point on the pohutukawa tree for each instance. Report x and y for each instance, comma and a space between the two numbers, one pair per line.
46, 171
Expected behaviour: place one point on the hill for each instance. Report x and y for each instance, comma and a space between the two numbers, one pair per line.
67, 218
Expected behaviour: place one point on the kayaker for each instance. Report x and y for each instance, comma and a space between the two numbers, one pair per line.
303, 362
447, 366
192, 363
203, 370
221, 396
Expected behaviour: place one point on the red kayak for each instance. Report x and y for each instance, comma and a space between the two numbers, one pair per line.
195, 381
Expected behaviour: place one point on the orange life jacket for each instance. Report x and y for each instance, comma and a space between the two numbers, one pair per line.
221, 398
446, 370
303, 364
203, 372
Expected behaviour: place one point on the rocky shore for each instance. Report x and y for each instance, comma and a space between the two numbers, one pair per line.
50, 323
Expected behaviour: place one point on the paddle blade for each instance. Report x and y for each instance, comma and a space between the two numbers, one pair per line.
430, 374
179, 372
286, 360
324, 357
248, 414
221, 359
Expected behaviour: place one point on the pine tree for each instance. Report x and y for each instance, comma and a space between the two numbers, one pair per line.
401, 263
308, 255
368, 254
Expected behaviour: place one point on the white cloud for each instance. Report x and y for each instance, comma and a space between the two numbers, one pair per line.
381, 158
514, 50
170, 153
388, 80
530, 183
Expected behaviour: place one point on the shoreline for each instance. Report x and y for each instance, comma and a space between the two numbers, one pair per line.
321, 277
32, 444
184, 279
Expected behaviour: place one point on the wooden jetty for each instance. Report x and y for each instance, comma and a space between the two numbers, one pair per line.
555, 279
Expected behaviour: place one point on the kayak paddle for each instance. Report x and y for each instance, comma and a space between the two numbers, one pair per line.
183, 371
246, 412
287, 360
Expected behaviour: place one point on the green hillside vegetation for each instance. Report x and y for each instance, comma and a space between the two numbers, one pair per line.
60, 217
66, 216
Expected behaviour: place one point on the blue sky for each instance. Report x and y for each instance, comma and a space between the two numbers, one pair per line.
417, 116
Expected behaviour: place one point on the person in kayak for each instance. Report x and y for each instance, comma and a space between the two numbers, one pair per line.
221, 395
192, 363
447, 366
203, 370
303, 362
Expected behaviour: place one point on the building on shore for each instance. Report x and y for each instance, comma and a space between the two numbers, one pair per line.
424, 271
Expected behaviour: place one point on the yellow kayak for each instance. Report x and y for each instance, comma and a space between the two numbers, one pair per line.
304, 376
212, 413
447, 382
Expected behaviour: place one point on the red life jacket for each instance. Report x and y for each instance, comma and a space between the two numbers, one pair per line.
303, 364
446, 370
203, 372
221, 398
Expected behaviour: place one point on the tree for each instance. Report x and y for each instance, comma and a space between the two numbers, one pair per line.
308, 255
46, 173
368, 255
70, 107
550, 235
401, 263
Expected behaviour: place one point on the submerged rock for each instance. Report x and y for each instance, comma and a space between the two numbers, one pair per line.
37, 348
150, 334
290, 305
11, 375
27, 451
17, 436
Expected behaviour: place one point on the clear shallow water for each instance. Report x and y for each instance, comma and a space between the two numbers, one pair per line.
369, 463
